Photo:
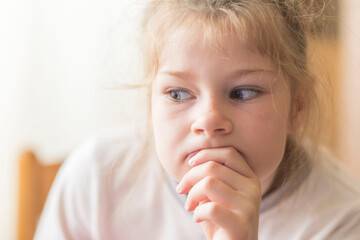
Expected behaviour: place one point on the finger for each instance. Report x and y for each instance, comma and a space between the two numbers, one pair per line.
216, 214
234, 226
217, 170
228, 156
212, 189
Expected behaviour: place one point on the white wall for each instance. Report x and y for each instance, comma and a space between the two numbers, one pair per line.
56, 60
349, 138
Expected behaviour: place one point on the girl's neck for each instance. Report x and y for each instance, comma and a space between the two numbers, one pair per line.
295, 164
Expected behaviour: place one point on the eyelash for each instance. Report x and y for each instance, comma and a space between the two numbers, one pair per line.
178, 91
254, 93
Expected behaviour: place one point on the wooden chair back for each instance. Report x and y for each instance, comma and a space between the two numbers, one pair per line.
35, 179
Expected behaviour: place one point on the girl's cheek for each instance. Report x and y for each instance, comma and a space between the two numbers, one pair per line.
176, 110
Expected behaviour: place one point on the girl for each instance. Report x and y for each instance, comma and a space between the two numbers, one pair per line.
231, 100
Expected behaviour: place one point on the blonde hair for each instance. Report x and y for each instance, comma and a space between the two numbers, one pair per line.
274, 28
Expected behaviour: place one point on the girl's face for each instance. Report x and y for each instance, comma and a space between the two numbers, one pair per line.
210, 97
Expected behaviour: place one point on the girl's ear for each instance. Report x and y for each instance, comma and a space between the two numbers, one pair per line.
297, 114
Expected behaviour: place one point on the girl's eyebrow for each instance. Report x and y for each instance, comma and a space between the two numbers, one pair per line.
248, 71
177, 74
235, 74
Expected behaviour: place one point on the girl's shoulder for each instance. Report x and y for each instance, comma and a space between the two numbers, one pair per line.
331, 194
329, 173
326, 205
90, 184
112, 147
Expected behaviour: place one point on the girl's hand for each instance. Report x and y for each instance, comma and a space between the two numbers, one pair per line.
224, 194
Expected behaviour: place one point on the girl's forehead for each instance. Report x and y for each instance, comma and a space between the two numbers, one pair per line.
213, 28
188, 43
208, 34
216, 34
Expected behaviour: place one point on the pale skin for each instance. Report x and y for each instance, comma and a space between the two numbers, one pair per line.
220, 119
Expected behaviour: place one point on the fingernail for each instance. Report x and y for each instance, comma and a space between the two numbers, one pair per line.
179, 188
187, 205
191, 162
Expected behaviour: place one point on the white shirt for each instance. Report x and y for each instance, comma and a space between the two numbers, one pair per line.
113, 187
325, 206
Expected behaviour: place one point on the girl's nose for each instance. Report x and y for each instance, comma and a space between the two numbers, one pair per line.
212, 122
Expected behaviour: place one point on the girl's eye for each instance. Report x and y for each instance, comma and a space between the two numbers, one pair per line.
242, 94
179, 95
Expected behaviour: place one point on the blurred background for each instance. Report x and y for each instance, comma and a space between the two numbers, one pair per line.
59, 61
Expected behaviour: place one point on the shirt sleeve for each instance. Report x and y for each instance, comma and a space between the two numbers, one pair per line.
345, 224
341, 222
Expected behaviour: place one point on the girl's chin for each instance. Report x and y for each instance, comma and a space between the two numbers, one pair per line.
178, 171
177, 176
